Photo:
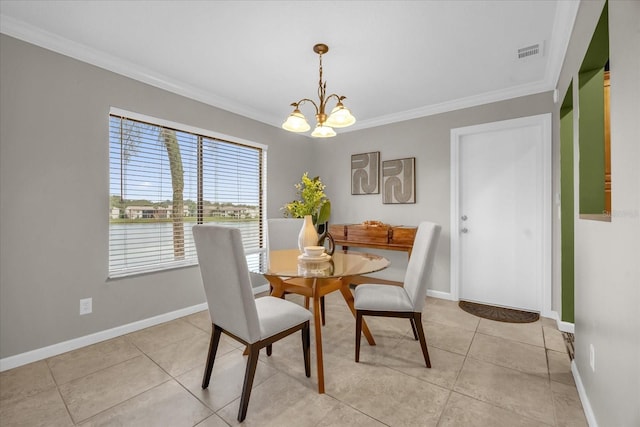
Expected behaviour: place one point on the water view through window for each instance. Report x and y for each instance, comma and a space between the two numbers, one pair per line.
164, 180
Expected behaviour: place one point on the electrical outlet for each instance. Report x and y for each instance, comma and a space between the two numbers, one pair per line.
592, 357
86, 306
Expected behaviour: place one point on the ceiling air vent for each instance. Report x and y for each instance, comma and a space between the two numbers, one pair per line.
532, 50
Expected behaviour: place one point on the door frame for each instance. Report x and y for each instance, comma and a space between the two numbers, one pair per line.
543, 121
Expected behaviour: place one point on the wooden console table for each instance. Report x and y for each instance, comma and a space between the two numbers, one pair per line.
383, 236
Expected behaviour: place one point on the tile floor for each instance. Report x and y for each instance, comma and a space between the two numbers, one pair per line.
484, 373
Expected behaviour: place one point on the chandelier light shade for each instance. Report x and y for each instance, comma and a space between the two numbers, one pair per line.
340, 116
322, 131
296, 122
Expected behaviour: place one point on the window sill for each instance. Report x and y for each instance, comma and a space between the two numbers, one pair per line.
129, 273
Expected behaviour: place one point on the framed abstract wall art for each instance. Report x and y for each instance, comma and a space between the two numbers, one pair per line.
399, 181
365, 173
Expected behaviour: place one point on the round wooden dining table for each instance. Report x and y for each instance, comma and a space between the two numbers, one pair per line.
290, 272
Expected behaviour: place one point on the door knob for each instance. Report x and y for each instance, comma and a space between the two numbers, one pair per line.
463, 217
464, 230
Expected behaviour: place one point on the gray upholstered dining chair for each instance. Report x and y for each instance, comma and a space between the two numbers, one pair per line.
405, 301
282, 233
256, 323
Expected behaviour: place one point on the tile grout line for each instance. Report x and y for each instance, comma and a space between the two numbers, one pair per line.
467, 356
73, 419
124, 401
64, 402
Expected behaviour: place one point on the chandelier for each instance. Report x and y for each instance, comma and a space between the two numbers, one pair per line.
340, 116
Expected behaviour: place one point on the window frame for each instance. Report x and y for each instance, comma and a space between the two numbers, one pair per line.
257, 253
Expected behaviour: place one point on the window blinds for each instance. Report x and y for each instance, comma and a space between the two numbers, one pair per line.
163, 180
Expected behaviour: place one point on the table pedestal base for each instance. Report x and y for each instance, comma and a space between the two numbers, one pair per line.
315, 288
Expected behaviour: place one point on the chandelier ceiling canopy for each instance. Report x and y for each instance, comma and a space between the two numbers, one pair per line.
339, 117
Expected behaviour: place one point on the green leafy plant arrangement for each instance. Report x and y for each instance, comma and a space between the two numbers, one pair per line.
312, 201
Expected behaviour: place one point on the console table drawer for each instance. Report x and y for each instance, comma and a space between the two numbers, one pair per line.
398, 238
402, 235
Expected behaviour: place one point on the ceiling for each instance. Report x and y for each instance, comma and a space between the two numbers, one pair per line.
394, 60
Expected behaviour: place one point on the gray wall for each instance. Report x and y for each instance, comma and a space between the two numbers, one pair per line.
428, 139
54, 172
54, 185
607, 254
54, 163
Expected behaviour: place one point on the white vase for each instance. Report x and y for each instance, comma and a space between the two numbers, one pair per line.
308, 235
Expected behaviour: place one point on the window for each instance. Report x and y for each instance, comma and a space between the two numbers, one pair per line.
166, 177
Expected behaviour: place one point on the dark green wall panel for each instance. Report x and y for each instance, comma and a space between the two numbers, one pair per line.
566, 206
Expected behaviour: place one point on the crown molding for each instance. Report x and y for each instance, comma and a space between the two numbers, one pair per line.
457, 104
563, 26
564, 22
30, 34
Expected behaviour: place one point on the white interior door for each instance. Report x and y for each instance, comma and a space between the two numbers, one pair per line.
501, 223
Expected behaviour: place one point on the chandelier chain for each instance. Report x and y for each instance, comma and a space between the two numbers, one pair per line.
321, 89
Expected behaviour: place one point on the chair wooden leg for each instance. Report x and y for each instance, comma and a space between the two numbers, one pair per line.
306, 349
358, 334
413, 327
250, 372
213, 349
417, 319
318, 335
269, 349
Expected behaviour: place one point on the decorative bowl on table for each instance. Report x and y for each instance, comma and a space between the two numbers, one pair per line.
313, 251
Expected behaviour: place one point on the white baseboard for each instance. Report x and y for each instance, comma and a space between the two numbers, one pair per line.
584, 399
430, 293
262, 288
566, 326
76, 343
73, 344
63, 347
562, 326
440, 294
